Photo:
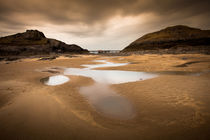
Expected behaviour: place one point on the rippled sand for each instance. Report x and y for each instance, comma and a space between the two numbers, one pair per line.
174, 105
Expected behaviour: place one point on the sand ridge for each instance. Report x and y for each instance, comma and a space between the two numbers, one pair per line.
174, 106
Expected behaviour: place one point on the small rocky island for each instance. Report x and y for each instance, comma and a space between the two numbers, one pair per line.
176, 39
34, 42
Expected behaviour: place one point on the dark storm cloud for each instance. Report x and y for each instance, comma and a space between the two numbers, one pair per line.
22, 13
91, 11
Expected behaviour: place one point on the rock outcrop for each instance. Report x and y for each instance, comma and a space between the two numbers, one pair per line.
176, 39
34, 42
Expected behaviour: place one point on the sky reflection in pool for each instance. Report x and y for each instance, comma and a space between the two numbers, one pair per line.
107, 102
100, 95
110, 76
105, 64
55, 80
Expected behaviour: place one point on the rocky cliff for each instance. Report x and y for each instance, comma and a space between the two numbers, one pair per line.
34, 42
176, 39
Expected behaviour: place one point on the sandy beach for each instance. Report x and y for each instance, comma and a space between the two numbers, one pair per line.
173, 105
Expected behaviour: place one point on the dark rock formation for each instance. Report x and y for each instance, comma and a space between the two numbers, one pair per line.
33, 42
176, 39
32, 35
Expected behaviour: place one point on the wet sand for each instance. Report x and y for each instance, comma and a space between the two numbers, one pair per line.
174, 105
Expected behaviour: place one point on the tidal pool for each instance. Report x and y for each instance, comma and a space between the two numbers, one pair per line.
106, 101
101, 96
55, 80
110, 76
105, 64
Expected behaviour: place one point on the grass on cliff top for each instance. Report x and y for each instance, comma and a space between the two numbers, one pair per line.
175, 33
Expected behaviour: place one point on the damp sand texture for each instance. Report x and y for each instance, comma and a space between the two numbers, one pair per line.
173, 105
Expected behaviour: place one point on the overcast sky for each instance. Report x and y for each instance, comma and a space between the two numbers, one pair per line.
100, 24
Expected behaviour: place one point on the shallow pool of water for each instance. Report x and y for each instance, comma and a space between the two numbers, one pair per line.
106, 101
55, 80
104, 64
110, 76
100, 95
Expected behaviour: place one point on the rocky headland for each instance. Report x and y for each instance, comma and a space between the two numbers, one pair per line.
34, 42
176, 39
